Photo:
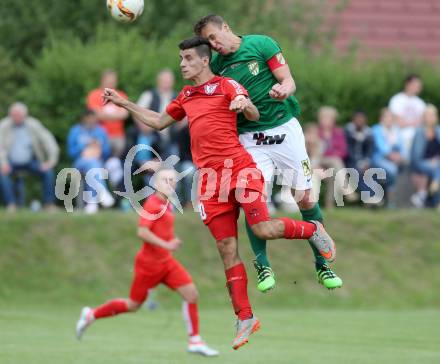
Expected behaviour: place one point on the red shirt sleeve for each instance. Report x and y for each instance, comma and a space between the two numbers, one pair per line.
151, 208
175, 108
276, 61
94, 102
232, 89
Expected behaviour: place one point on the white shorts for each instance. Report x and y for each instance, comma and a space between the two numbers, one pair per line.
282, 148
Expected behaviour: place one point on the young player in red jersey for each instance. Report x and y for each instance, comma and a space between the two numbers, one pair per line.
229, 178
154, 264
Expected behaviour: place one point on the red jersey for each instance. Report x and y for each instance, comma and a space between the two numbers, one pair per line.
163, 227
212, 126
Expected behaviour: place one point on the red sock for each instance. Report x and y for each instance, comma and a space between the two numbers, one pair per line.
191, 317
110, 308
295, 229
236, 281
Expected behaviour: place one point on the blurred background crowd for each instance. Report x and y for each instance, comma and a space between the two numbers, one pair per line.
404, 142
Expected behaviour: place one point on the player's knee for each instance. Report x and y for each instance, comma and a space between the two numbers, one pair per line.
228, 250
192, 296
305, 199
133, 306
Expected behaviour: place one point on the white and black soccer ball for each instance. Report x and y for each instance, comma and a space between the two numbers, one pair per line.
125, 10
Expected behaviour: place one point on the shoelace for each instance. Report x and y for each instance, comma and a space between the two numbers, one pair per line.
263, 272
326, 272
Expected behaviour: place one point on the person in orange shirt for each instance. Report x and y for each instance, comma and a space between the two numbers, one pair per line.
111, 117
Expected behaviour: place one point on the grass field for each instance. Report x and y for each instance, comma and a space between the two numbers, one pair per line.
40, 335
387, 312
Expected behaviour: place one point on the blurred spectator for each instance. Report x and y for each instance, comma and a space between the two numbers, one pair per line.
335, 151
157, 100
360, 146
88, 146
110, 116
26, 145
388, 149
425, 158
408, 108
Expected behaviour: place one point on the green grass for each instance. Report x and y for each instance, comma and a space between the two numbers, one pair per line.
387, 311
387, 260
45, 335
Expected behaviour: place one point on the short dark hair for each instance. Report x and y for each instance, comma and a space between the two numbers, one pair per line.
411, 77
201, 45
211, 18
88, 112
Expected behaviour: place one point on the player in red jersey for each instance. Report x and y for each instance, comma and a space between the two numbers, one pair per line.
154, 264
228, 176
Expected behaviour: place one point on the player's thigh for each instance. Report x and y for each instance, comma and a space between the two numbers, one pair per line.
143, 282
290, 157
260, 154
224, 225
176, 275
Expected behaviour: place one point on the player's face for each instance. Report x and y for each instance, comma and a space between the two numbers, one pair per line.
191, 64
165, 182
219, 37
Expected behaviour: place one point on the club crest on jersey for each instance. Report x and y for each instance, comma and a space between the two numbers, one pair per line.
254, 68
210, 88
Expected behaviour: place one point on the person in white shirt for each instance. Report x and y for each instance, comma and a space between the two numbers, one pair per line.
408, 108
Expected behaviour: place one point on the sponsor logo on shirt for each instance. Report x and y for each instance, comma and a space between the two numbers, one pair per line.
210, 88
254, 69
268, 139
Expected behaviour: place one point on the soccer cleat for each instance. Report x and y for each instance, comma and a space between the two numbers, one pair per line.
200, 347
328, 278
323, 242
85, 319
244, 329
266, 277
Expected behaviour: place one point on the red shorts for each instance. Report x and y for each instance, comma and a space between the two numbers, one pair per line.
224, 216
147, 276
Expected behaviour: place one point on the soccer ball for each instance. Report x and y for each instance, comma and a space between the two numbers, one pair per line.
125, 10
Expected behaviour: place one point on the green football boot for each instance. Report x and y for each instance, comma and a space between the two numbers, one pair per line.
328, 278
266, 277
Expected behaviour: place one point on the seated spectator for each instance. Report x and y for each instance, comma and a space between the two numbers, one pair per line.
425, 158
360, 146
26, 145
88, 146
388, 150
408, 109
335, 151
110, 116
157, 100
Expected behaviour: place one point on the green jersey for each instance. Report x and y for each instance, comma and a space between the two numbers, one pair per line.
248, 66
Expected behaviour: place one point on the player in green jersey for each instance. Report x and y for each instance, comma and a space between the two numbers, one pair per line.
276, 141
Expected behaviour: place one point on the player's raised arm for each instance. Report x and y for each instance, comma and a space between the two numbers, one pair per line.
148, 117
286, 84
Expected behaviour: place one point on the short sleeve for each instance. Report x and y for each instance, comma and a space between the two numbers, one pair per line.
232, 89
175, 108
152, 209
268, 48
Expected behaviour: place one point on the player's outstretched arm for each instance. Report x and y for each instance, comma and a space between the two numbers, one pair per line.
148, 117
243, 104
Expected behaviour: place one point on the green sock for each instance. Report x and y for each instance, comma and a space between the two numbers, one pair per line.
314, 214
258, 246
